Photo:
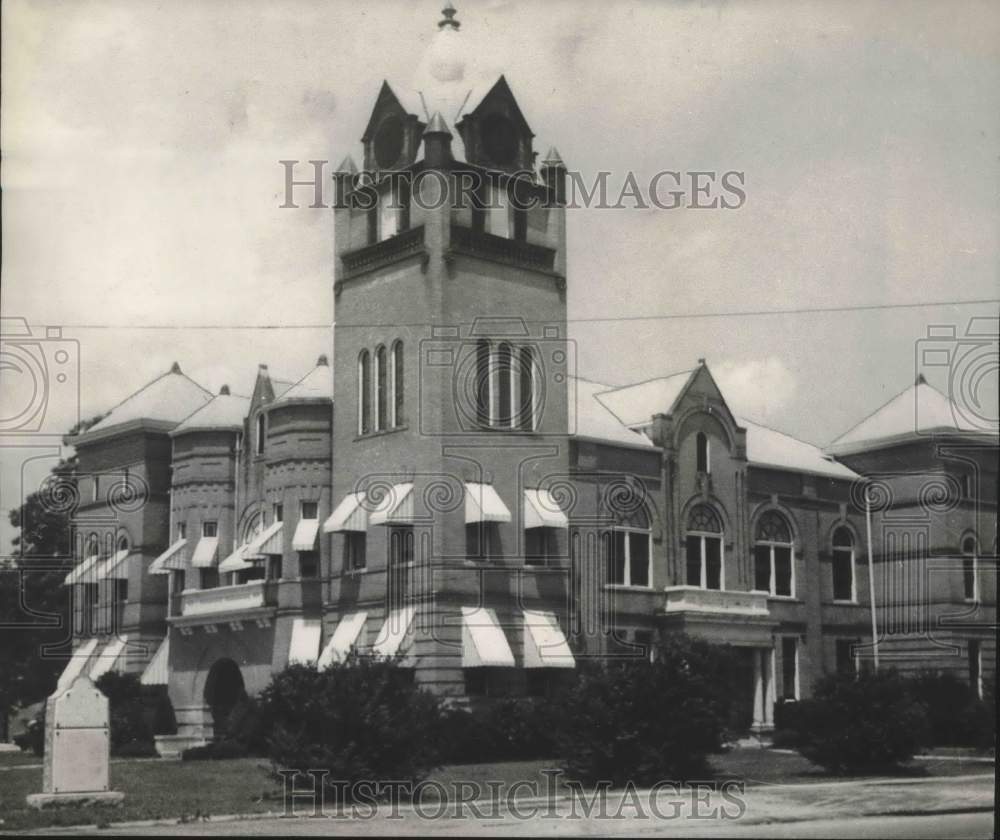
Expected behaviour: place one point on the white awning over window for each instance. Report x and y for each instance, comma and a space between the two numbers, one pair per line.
237, 561
156, 672
545, 646
115, 568
483, 504
172, 560
343, 639
541, 510
77, 662
267, 541
483, 641
108, 658
85, 572
394, 630
349, 515
304, 538
304, 647
395, 506
206, 553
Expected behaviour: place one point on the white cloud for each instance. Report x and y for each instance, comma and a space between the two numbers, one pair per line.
763, 389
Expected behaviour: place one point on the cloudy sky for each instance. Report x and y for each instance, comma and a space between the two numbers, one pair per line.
142, 186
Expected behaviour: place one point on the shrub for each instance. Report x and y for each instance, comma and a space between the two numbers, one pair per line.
131, 725
506, 729
791, 722
363, 719
245, 727
632, 720
33, 737
955, 715
864, 722
215, 751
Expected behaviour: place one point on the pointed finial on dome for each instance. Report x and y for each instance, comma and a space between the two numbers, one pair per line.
437, 125
449, 17
348, 166
437, 142
224, 391
175, 368
322, 361
553, 159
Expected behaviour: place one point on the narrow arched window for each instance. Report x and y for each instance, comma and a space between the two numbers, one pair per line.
526, 415
123, 543
702, 457
259, 435
704, 560
969, 578
844, 586
482, 385
397, 384
364, 393
774, 569
381, 389
505, 396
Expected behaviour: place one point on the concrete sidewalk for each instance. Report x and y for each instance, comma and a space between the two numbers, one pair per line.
757, 808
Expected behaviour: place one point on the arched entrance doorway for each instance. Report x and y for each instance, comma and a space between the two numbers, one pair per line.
223, 690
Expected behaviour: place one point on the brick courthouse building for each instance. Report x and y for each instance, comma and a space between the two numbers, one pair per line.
450, 491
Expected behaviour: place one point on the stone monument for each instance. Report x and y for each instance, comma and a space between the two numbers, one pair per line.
77, 748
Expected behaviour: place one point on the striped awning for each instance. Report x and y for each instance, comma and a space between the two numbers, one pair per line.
343, 639
349, 515
483, 641
541, 510
304, 646
267, 541
156, 672
206, 553
483, 504
545, 645
304, 538
115, 568
77, 662
108, 659
84, 572
394, 629
395, 506
238, 561
172, 560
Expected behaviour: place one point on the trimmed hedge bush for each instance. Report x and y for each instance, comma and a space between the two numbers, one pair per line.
955, 715
863, 723
131, 718
632, 720
363, 719
506, 729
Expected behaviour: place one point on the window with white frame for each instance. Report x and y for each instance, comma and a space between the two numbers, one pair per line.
704, 560
310, 510
970, 587
774, 566
355, 546
628, 551
279, 512
181, 530
844, 584
210, 529
506, 384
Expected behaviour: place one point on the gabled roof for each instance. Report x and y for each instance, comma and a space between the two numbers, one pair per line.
315, 385
635, 405
595, 421
224, 412
767, 447
161, 404
918, 412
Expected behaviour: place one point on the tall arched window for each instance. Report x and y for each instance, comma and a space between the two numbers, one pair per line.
364, 393
505, 397
704, 549
397, 384
381, 389
969, 578
259, 434
773, 566
483, 374
93, 546
526, 412
628, 550
702, 457
844, 586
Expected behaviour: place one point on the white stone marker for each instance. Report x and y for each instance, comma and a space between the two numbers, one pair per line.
77, 748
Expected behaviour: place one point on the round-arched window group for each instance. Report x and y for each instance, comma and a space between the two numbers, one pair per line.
380, 389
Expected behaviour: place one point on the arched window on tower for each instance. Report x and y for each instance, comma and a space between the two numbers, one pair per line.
970, 586
702, 458
259, 434
482, 385
397, 384
704, 549
526, 409
844, 585
364, 393
505, 396
774, 568
381, 388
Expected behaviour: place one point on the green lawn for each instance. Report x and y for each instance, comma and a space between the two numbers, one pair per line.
190, 790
